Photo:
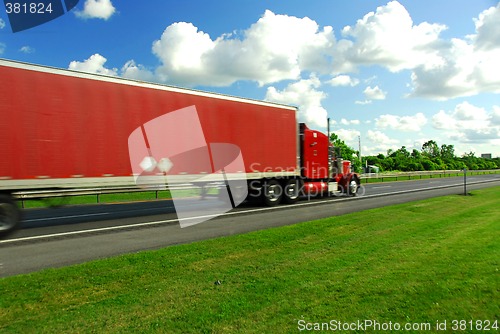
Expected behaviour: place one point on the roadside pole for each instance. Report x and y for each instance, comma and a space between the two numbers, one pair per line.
465, 181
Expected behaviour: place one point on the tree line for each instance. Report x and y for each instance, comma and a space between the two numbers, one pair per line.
430, 157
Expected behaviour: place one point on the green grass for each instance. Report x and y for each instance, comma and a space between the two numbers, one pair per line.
425, 261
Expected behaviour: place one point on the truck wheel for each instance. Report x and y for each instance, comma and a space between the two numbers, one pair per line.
352, 187
272, 193
10, 215
291, 191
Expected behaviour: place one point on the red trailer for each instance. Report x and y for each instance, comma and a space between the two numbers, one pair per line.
68, 129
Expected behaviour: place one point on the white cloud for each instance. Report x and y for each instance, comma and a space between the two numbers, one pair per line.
350, 137
2, 24
96, 9
401, 123
281, 47
275, 48
374, 93
94, 64
343, 80
181, 49
468, 123
344, 121
379, 137
27, 49
135, 71
389, 38
441, 69
379, 142
305, 95
488, 34
470, 65
495, 116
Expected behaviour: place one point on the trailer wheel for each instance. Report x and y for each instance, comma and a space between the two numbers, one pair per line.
272, 193
352, 187
10, 215
291, 191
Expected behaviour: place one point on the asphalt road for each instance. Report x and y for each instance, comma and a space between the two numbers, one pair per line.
58, 237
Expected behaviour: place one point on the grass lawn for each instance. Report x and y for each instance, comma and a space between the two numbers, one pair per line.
420, 262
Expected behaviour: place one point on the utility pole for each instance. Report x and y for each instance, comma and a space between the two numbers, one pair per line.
465, 181
360, 160
328, 127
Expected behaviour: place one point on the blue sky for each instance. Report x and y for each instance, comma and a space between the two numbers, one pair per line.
394, 73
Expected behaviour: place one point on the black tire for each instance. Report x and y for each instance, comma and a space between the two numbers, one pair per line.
10, 215
291, 191
254, 192
272, 193
352, 186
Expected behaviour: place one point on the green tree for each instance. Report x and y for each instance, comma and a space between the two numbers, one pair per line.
470, 160
432, 157
414, 166
346, 152
415, 154
497, 162
428, 164
447, 152
431, 149
401, 159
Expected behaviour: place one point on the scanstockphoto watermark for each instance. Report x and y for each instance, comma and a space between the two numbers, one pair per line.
337, 176
362, 325
24, 14
260, 171
471, 325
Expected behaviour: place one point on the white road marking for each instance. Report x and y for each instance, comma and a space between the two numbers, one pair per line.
64, 217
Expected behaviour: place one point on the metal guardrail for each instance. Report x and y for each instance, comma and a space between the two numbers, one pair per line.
36, 194
54, 193
397, 176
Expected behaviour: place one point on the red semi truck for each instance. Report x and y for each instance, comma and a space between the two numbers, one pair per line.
68, 129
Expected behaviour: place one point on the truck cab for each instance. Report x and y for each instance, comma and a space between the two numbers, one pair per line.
323, 169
